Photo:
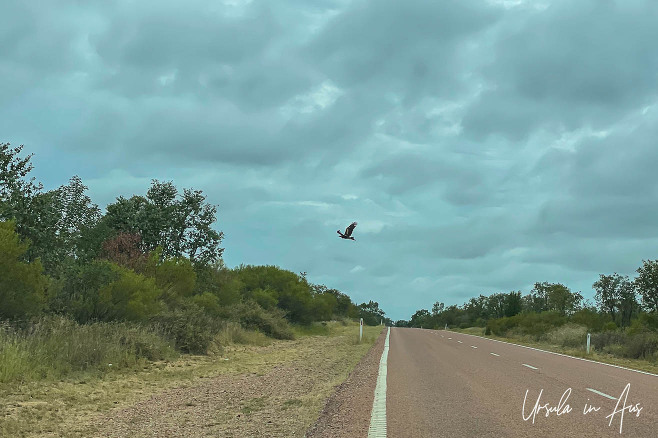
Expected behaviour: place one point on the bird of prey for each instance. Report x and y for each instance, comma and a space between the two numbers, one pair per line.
348, 232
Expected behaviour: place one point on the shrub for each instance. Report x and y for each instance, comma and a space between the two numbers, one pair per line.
233, 333
602, 340
569, 335
22, 285
191, 328
641, 346
132, 296
254, 317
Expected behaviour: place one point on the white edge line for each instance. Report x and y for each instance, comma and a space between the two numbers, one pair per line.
497, 355
564, 355
377, 427
529, 366
601, 393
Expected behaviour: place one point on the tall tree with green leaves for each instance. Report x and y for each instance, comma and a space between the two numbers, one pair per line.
647, 284
607, 295
180, 224
16, 189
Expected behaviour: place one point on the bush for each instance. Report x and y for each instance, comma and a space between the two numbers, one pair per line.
254, 317
641, 346
191, 328
22, 285
593, 320
526, 324
569, 335
132, 296
234, 333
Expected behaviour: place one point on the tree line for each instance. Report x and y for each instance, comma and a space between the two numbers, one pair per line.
619, 302
148, 259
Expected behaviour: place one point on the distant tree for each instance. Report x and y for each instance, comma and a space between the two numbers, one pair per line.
422, 318
647, 284
495, 305
607, 294
437, 308
371, 313
554, 296
22, 285
513, 303
628, 305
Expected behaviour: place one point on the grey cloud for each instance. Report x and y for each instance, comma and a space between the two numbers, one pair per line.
574, 63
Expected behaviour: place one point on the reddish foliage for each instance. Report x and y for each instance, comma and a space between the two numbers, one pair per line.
125, 250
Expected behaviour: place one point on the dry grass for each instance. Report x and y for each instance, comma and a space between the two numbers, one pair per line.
72, 408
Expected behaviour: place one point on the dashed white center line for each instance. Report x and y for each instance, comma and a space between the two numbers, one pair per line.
494, 354
529, 366
601, 393
460, 342
473, 346
449, 338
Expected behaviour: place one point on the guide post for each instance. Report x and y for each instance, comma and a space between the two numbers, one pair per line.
360, 329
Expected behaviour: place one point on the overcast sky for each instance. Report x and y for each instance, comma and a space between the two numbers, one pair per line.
481, 145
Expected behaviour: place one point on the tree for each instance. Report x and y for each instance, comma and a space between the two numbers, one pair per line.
628, 305
422, 318
496, 305
15, 190
437, 308
22, 285
647, 284
180, 224
513, 303
555, 297
55, 222
371, 313
607, 294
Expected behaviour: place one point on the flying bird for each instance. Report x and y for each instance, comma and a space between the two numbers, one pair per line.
348, 232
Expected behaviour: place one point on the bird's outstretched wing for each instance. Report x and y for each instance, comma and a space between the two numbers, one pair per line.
348, 230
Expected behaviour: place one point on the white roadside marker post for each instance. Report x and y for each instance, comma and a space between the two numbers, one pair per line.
588, 337
360, 329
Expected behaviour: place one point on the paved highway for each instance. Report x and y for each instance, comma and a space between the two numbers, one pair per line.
446, 384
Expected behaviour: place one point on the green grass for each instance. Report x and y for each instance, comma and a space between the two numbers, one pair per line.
56, 347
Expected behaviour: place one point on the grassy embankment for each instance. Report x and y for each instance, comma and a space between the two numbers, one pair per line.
58, 382
570, 339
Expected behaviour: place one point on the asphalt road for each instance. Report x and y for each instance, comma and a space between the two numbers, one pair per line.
445, 384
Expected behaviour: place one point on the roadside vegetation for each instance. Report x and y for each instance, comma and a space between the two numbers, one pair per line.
281, 383
623, 321
91, 291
